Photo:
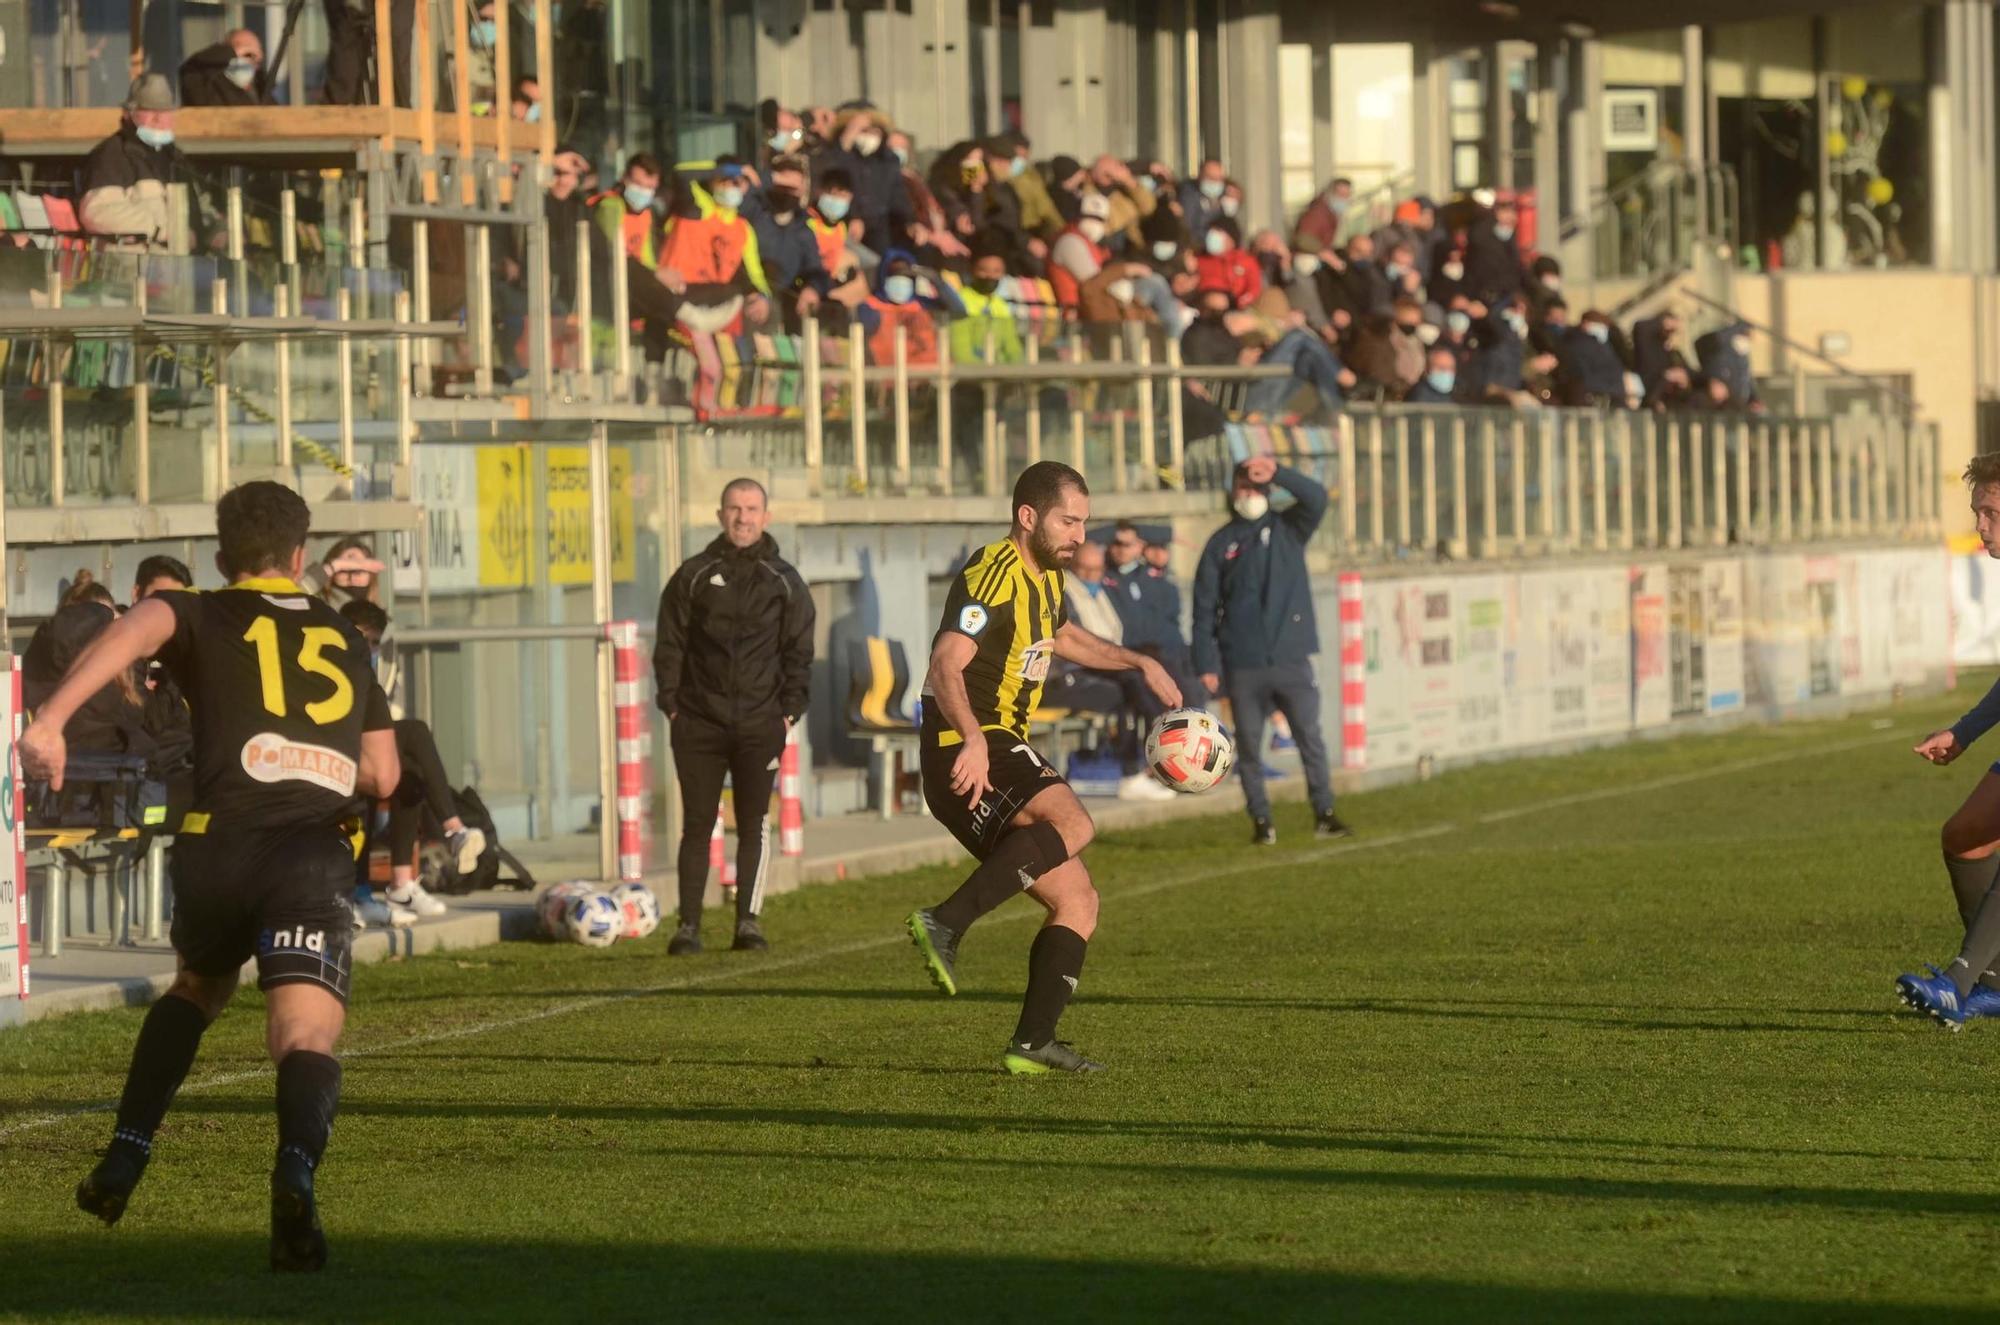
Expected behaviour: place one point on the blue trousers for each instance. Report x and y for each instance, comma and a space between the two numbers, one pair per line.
1293, 690
1310, 361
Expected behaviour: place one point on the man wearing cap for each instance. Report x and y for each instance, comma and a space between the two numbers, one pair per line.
125, 178
1079, 253
1255, 634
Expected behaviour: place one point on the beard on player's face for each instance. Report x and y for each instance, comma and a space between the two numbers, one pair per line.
1051, 553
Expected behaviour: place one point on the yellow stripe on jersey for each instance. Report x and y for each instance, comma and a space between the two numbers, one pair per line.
1007, 697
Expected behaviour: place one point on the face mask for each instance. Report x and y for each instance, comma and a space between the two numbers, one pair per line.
1460, 322
1741, 344
1518, 325
983, 285
1440, 382
534, 115
1211, 189
1428, 332
1231, 206
1503, 233
1091, 228
1552, 282
902, 156
1121, 290
486, 32
782, 201
1149, 184
241, 72
834, 208
1394, 271
638, 199
1164, 250
1017, 167
1598, 332
867, 143
155, 138
1251, 505
1305, 264
1216, 243
1454, 271
729, 199
1338, 206
899, 289
779, 142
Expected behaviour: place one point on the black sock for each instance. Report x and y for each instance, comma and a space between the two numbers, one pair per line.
160, 1062
1054, 963
308, 1089
1971, 880
1021, 857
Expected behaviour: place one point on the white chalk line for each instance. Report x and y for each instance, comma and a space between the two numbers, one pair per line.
1258, 864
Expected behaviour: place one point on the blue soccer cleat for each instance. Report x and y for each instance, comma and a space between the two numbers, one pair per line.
1935, 996
1982, 1002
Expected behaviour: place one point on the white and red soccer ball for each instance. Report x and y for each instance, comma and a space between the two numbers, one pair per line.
1189, 751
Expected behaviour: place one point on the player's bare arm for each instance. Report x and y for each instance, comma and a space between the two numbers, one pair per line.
947, 690
1077, 645
140, 633
381, 768
1939, 747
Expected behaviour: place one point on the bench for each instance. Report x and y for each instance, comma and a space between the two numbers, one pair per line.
129, 854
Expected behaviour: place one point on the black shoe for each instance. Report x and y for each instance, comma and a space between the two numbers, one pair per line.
109, 1186
686, 941
938, 946
1329, 825
1262, 833
749, 936
297, 1243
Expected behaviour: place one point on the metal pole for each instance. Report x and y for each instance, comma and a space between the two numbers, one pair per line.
142, 406
1033, 349
405, 425
1843, 478
1546, 449
233, 201
344, 307
281, 300
54, 352
420, 284
1076, 437
1517, 478
944, 420
156, 887
586, 369
1624, 454
1177, 423
1489, 488
1738, 447
1652, 467
541, 309
621, 327
1600, 535
1344, 439
288, 233
857, 368
479, 303
1149, 459
1826, 517
1120, 481
902, 407
600, 594
1673, 487
1570, 431
55, 917
814, 405
1698, 439
1405, 534
219, 304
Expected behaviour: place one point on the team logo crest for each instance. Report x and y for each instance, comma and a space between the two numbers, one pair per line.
972, 618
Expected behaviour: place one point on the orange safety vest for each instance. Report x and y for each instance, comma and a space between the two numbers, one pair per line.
707, 250
832, 241
919, 329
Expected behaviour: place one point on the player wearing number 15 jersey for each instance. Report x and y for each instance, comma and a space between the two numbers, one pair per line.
1003, 623
289, 727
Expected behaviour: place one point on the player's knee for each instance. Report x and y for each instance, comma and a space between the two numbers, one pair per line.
1966, 838
209, 993
1077, 829
1078, 910
289, 1037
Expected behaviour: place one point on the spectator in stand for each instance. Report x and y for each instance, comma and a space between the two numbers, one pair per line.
819, 122
1216, 338
1201, 198
1022, 206
1440, 381
988, 318
848, 288
1499, 366
350, 50
784, 133
1223, 265
905, 296
1367, 287
1406, 280
1660, 358
959, 180
786, 244
1389, 352
1068, 183
881, 201
1232, 200
112, 721
930, 229
1544, 286
713, 271
564, 206
1167, 252
1079, 253
1093, 604
1588, 371
125, 177
1149, 609
525, 105
628, 225
1725, 358
1415, 227
1304, 286
229, 73
1493, 256
1323, 217
1130, 204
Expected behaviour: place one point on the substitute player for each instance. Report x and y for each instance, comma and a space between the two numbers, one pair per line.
1971, 838
288, 726
1003, 621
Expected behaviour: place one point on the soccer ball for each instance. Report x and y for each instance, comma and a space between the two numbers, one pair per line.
640, 908
552, 906
1189, 750
594, 920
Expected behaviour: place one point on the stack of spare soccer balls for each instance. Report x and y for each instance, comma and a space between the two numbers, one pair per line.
585, 913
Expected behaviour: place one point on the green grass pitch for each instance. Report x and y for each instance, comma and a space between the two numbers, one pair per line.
1609, 1036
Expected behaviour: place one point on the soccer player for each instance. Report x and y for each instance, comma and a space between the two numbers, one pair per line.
1003, 621
1969, 986
288, 726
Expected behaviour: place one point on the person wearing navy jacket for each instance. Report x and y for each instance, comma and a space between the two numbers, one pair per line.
1255, 633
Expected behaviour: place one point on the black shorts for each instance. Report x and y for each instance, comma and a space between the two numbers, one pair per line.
284, 896
1016, 775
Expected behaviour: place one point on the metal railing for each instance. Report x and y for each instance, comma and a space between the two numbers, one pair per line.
1648, 227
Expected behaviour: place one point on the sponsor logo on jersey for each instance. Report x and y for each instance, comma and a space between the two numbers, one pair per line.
972, 618
1035, 660
295, 940
717, 580
269, 757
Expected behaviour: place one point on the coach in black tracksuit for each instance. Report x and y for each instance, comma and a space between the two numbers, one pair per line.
735, 645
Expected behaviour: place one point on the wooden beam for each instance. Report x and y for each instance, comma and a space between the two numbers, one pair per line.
461, 99
503, 94
545, 70
423, 74
385, 73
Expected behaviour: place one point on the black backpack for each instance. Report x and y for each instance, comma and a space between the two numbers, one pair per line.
486, 874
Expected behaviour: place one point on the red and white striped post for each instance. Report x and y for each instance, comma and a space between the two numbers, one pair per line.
1353, 675
634, 742
791, 810
719, 858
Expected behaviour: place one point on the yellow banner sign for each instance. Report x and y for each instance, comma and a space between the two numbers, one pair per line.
508, 553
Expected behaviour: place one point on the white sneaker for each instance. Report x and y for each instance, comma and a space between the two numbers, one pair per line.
415, 899
376, 909
1144, 787
467, 846
359, 923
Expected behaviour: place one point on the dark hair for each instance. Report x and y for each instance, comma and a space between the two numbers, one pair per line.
1228, 227
261, 524
1125, 527
159, 566
89, 591
1545, 266
645, 161
1043, 483
368, 618
991, 243
835, 178
790, 163
1982, 470
1339, 180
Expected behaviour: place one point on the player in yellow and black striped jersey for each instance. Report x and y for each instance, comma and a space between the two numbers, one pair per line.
1003, 623
289, 729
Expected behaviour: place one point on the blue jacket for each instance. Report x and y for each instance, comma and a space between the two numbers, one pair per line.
1252, 597
1149, 607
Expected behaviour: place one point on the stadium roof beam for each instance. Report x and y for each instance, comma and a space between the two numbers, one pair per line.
1472, 22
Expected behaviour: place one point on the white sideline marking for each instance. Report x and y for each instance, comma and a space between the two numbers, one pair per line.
1260, 863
